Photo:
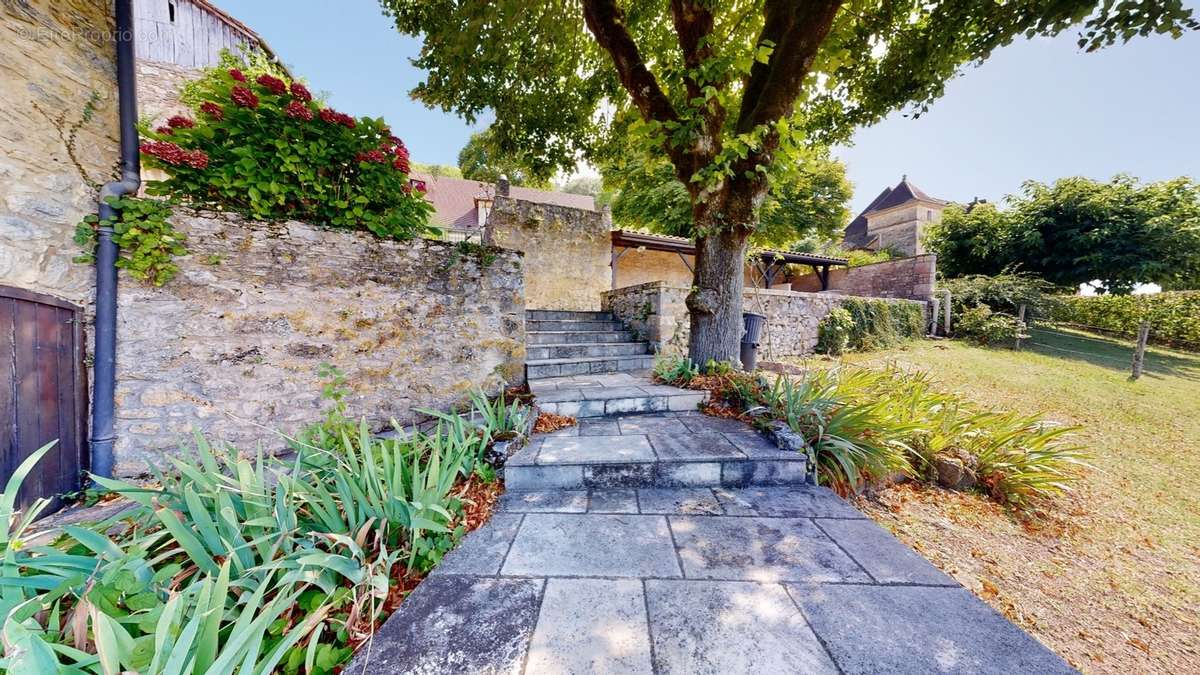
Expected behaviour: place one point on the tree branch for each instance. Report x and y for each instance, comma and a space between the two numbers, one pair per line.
606, 21
797, 30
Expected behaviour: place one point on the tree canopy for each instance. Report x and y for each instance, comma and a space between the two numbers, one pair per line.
1121, 232
483, 160
731, 92
809, 203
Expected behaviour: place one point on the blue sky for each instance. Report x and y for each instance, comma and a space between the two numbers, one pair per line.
1036, 110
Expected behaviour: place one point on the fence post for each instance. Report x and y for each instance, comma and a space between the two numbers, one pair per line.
1020, 318
1139, 354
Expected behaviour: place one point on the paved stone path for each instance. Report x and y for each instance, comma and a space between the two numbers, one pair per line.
692, 580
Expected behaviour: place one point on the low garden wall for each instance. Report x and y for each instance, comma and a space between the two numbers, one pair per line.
908, 278
232, 345
568, 251
657, 312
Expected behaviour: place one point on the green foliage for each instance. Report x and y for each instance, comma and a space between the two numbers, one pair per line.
867, 324
718, 368
481, 159
1174, 317
833, 333
262, 147
809, 202
233, 562
437, 170
865, 424
147, 242
1121, 232
982, 326
1004, 292
674, 369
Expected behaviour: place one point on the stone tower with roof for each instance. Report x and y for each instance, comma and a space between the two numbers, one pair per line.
896, 219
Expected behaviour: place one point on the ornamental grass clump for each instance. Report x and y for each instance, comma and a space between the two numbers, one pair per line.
237, 563
867, 426
261, 145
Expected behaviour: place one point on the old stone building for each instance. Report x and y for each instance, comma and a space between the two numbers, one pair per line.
896, 220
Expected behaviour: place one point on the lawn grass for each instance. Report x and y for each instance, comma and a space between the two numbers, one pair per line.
1108, 575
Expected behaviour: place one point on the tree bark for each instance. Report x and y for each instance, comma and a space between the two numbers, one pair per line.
715, 303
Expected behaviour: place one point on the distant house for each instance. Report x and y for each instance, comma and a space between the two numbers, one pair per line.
896, 220
461, 206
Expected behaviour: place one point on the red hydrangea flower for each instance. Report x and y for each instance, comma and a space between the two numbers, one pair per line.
273, 84
299, 111
165, 131
197, 159
300, 92
237, 75
334, 117
165, 151
180, 122
212, 110
401, 164
373, 156
244, 97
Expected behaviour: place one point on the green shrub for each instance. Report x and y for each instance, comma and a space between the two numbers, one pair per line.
866, 424
1174, 316
985, 327
873, 324
1004, 292
238, 563
262, 146
833, 333
674, 369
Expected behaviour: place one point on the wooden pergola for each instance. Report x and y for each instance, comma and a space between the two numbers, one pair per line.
769, 263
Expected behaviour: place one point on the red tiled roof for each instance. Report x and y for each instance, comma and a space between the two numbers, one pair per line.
454, 205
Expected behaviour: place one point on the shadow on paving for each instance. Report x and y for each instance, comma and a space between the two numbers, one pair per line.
692, 580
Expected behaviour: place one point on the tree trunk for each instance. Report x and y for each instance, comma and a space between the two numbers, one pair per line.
715, 302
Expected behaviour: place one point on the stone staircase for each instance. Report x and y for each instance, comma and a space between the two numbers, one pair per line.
562, 343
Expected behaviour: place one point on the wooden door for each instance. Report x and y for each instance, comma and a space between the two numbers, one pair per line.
43, 392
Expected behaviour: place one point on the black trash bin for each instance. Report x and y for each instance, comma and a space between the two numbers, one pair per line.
750, 338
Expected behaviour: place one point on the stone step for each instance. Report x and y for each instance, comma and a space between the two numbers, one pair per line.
580, 349
575, 337
565, 315
539, 368
538, 326
587, 402
657, 459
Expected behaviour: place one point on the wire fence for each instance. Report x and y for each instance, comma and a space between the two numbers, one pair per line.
1135, 359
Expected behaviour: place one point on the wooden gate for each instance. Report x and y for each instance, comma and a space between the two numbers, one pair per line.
43, 391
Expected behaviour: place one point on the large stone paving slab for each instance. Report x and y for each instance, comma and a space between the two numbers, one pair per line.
591, 626
613, 501
719, 628
787, 502
595, 450
452, 625
693, 447
884, 557
652, 424
684, 501
759, 549
544, 501
597, 545
482, 551
919, 629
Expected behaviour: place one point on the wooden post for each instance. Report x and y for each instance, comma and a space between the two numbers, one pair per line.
1020, 318
1139, 354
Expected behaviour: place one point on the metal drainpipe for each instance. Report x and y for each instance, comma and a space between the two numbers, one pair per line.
104, 373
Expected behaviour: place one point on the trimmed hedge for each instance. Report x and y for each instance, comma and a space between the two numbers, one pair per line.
873, 324
1174, 316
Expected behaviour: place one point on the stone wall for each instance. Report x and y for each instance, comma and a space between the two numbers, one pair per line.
232, 345
908, 278
657, 311
53, 57
568, 252
639, 266
158, 86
